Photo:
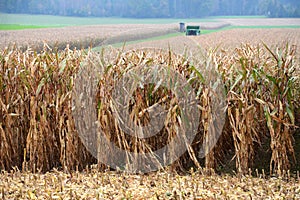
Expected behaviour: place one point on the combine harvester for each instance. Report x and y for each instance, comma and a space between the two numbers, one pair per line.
192, 30
189, 30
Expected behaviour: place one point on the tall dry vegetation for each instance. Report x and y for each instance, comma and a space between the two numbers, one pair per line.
37, 129
263, 94
36, 123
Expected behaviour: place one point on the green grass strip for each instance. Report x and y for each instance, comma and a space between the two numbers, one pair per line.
19, 27
49, 20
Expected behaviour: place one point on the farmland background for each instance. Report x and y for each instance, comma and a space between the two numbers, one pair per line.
40, 135
85, 32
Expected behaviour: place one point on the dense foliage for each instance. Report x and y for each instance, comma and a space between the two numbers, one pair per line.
38, 130
154, 8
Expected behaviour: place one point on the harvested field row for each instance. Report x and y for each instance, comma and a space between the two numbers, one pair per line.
82, 36
85, 36
231, 39
227, 40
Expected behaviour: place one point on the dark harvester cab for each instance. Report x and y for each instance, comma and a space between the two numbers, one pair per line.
193, 30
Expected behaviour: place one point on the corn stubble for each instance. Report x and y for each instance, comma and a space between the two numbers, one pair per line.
93, 184
38, 132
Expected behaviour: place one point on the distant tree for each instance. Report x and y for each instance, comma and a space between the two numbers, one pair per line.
206, 8
151, 8
8, 6
223, 8
154, 8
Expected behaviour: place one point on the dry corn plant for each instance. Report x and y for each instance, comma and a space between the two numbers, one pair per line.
37, 131
211, 95
37, 124
12, 107
144, 100
261, 94
279, 104
201, 73
242, 107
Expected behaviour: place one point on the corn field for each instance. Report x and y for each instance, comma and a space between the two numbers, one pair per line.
261, 87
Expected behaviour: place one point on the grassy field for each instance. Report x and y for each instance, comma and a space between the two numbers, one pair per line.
19, 27
48, 20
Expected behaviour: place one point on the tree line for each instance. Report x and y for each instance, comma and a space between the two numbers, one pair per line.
154, 8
